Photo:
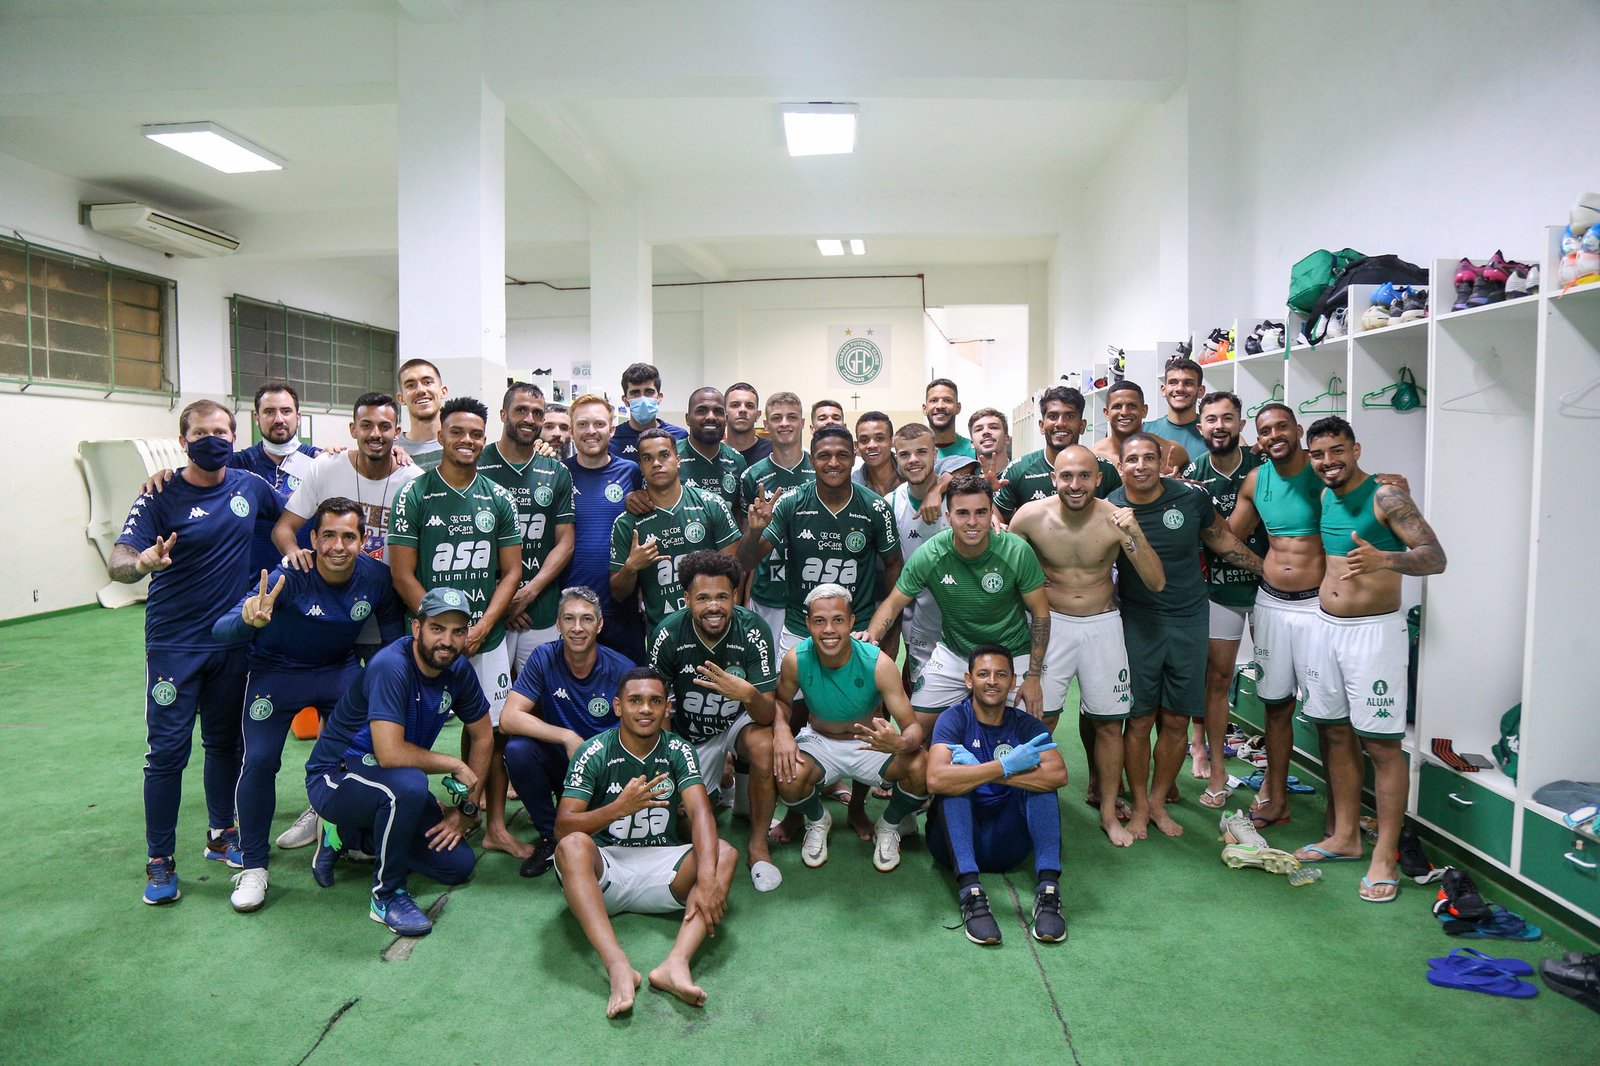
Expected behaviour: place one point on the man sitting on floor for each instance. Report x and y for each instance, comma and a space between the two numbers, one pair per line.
995, 772
624, 855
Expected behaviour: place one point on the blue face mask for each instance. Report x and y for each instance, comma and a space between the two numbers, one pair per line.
643, 409
210, 453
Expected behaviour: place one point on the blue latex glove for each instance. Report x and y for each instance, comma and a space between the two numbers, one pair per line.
960, 756
1025, 757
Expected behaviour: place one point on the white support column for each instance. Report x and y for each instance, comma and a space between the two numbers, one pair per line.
621, 305
452, 208
1211, 172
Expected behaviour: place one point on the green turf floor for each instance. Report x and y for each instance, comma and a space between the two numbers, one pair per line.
1172, 957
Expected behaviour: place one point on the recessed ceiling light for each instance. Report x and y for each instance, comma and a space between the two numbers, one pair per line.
214, 146
858, 247
827, 247
820, 128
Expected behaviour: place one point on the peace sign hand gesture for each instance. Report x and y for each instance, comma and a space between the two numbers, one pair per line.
257, 610
759, 516
158, 556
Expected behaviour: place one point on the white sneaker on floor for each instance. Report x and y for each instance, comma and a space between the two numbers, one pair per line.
250, 889
302, 833
814, 848
885, 846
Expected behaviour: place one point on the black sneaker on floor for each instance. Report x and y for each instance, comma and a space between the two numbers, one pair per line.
975, 917
543, 857
1577, 979
1413, 860
1048, 925
1458, 896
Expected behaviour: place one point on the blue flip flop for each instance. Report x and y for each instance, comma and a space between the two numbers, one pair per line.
1374, 884
1471, 958
1328, 856
1498, 984
1255, 780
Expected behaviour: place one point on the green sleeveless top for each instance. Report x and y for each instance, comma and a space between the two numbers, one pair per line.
1352, 513
841, 695
1288, 507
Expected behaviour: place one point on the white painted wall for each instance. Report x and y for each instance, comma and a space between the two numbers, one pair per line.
48, 550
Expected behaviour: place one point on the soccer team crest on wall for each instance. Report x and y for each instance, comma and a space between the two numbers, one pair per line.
858, 356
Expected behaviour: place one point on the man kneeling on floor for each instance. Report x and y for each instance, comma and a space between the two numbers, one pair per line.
368, 775
846, 683
995, 772
624, 855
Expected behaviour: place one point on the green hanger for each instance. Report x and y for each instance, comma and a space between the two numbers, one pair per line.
1403, 395
1276, 397
1334, 391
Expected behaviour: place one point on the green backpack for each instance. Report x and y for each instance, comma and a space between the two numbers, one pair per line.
1313, 274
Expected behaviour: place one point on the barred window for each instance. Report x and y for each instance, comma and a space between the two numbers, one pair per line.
70, 321
329, 361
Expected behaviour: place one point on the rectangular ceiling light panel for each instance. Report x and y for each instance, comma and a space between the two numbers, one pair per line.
828, 247
820, 128
218, 148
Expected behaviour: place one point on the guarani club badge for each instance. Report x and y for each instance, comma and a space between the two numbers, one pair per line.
858, 355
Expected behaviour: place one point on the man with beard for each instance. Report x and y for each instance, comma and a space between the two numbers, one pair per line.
1033, 477
1181, 386
785, 468
1168, 631
940, 405
1125, 411
721, 667
744, 407
1078, 537
368, 774
557, 429
1221, 471
278, 458
542, 491
704, 461
1372, 534
991, 437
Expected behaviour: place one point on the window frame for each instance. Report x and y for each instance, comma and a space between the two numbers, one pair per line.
380, 380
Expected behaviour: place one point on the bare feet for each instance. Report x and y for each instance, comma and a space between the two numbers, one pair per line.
624, 983
673, 978
861, 823
1163, 820
1201, 770
502, 840
784, 831
1173, 795
1139, 824
1269, 813
1114, 830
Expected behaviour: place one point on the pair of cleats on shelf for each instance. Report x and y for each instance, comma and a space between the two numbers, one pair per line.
1496, 281
1393, 305
1473, 971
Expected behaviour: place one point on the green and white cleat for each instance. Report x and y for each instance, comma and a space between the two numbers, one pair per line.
1272, 860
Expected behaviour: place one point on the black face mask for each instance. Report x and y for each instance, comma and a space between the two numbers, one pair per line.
210, 453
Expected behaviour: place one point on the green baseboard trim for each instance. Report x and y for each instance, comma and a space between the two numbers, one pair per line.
49, 614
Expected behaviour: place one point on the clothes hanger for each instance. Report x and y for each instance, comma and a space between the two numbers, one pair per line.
1276, 397
1496, 382
1570, 403
1334, 391
1403, 395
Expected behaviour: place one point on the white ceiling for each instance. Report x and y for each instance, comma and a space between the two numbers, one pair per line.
976, 168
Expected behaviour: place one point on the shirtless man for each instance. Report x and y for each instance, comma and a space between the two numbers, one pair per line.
848, 684
1078, 538
1372, 533
1125, 413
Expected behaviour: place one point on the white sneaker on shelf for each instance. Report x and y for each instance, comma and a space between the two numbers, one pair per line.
250, 889
885, 846
302, 833
814, 848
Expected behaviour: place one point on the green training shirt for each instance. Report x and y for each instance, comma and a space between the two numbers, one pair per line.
980, 600
676, 650
542, 491
697, 521
841, 695
769, 586
1033, 478
1230, 586
602, 768
457, 534
960, 446
1172, 523
717, 477
823, 547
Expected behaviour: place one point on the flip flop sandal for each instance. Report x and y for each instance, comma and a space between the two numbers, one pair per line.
1262, 822
1365, 883
1509, 987
1255, 781
1470, 957
1324, 855
1216, 799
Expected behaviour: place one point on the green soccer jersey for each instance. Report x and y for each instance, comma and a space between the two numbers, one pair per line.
823, 546
602, 768
960, 446
717, 477
457, 534
1033, 478
676, 650
1230, 586
542, 491
980, 600
769, 586
697, 521
1172, 523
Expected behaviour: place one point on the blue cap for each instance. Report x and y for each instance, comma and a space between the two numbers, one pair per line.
443, 601
952, 464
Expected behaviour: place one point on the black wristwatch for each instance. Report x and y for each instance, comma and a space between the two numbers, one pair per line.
468, 808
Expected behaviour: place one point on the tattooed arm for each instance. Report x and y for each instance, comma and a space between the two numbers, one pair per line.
1423, 554
1227, 547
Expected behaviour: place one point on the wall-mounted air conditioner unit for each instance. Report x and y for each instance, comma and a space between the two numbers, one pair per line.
145, 225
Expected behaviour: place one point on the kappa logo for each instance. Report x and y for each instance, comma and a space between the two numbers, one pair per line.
434, 520
198, 512
1038, 494
613, 789
948, 580
561, 694
315, 611
1381, 714
913, 535
805, 534
239, 506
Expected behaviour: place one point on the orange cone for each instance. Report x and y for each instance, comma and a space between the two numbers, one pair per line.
306, 724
